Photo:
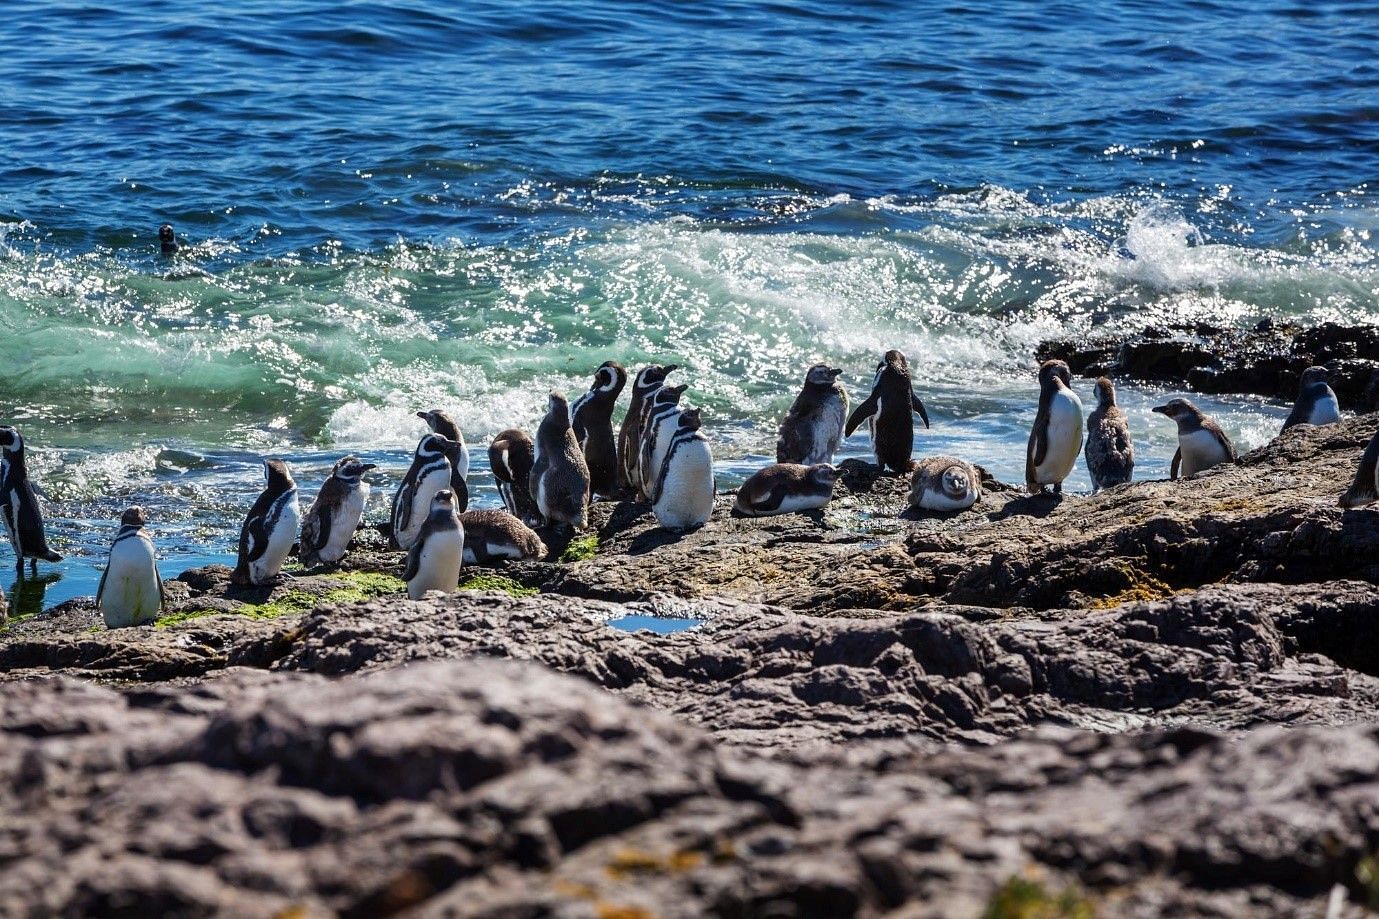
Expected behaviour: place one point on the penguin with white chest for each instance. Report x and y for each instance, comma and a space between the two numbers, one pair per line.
1201, 442
19, 507
432, 469
944, 483
813, 428
683, 497
130, 590
494, 536
270, 529
786, 488
648, 380
661, 417
889, 411
559, 477
591, 417
333, 517
511, 456
1056, 438
437, 554
1110, 453
1316, 402
441, 423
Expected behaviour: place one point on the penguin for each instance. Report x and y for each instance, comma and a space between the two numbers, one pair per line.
493, 535
813, 428
130, 590
333, 517
1201, 443
433, 468
785, 488
591, 417
19, 505
436, 555
167, 241
648, 380
945, 483
441, 423
559, 478
1365, 489
270, 529
683, 497
1110, 453
1056, 438
658, 426
1316, 402
888, 411
511, 456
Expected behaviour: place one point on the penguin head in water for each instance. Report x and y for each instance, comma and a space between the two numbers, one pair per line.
1105, 393
1051, 373
10, 439
824, 475
440, 422
133, 517
821, 376
167, 239
350, 469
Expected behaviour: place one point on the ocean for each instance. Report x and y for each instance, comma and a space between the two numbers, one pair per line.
396, 206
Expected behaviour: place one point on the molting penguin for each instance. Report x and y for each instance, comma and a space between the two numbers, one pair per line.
433, 468
559, 477
441, 423
1056, 438
130, 591
813, 428
591, 417
434, 561
1110, 453
334, 516
648, 380
1201, 443
511, 456
1365, 489
167, 241
944, 483
493, 536
888, 412
785, 488
19, 505
659, 421
270, 529
683, 497
1316, 402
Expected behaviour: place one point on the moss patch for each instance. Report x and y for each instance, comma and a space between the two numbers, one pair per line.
371, 583
1022, 898
359, 585
580, 549
497, 583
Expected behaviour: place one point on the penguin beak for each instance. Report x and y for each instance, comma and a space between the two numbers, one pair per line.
1161, 409
834, 373
367, 466
672, 367
421, 415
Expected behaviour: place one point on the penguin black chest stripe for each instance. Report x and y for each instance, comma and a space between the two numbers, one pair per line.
679, 440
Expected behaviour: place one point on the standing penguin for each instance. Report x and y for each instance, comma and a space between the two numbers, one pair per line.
19, 505
888, 412
270, 529
436, 555
433, 468
1316, 402
1201, 442
441, 423
1056, 438
511, 456
813, 428
648, 380
492, 536
785, 488
1110, 453
591, 417
334, 516
659, 419
1365, 489
130, 591
683, 497
559, 477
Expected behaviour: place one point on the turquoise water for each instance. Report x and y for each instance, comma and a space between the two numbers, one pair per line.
400, 206
661, 625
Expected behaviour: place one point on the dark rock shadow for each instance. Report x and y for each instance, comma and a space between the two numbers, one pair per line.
1029, 506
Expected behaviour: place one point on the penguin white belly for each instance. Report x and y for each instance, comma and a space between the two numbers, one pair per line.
426, 489
439, 565
871, 432
686, 498
130, 593
1064, 439
793, 503
828, 431
491, 550
932, 499
1201, 451
280, 540
342, 527
1325, 410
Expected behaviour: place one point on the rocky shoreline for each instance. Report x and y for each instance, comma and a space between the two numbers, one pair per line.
1158, 700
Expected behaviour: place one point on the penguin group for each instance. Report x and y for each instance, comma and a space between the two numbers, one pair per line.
659, 455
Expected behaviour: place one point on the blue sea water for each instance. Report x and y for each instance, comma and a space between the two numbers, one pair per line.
394, 206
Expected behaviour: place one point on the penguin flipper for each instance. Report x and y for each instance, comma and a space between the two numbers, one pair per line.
321, 522
1038, 446
788, 446
162, 594
402, 508
1176, 465
917, 406
1364, 490
100, 588
861, 413
413, 559
461, 489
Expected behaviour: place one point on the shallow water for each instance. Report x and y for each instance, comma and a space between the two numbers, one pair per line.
393, 207
661, 625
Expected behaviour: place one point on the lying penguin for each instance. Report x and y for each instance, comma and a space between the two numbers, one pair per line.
944, 483
785, 488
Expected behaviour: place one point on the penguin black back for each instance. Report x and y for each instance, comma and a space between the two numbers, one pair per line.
890, 408
648, 380
1365, 489
511, 456
591, 417
254, 534
440, 422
